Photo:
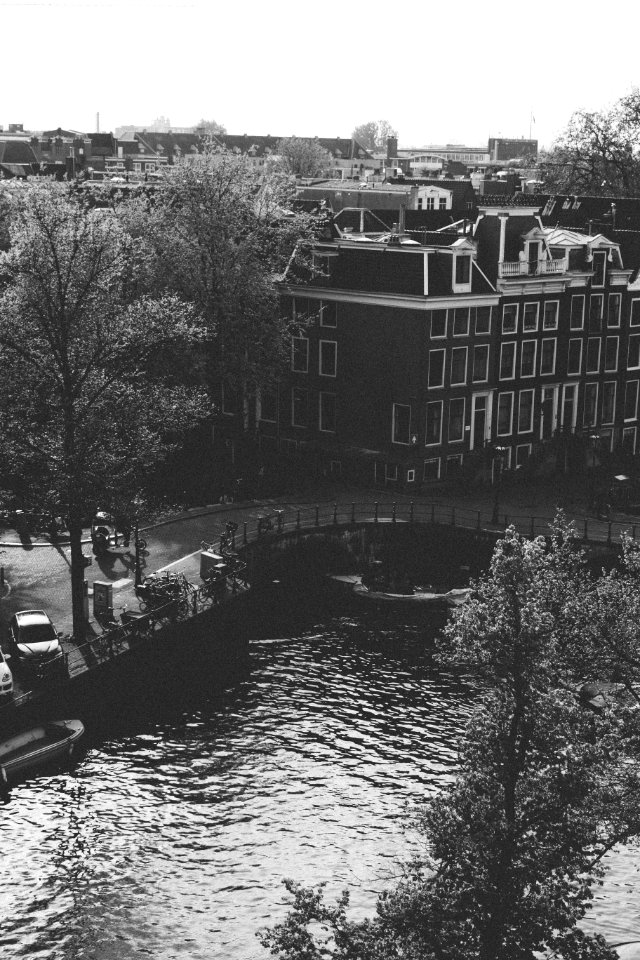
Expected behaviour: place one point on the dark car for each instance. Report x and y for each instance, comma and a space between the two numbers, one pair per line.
34, 643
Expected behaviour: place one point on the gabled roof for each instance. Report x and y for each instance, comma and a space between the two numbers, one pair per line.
260, 146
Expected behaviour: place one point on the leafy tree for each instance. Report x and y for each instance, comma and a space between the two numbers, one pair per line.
91, 393
545, 787
597, 153
373, 135
224, 234
303, 158
211, 127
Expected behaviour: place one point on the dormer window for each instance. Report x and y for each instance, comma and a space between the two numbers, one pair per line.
462, 269
599, 268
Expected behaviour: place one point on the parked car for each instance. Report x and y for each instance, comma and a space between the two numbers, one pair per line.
6, 678
34, 643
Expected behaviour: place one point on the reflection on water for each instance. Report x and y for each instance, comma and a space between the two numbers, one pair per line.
171, 836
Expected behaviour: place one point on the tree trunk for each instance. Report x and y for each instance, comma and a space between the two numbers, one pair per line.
77, 573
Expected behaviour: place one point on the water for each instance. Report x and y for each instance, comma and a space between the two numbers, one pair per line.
171, 835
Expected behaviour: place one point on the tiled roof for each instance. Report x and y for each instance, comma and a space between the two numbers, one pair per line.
339, 148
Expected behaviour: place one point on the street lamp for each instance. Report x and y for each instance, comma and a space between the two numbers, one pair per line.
498, 461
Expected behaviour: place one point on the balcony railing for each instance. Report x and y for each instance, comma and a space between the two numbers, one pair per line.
533, 268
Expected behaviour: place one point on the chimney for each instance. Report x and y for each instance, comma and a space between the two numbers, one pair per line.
392, 148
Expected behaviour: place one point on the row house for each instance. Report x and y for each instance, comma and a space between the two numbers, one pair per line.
421, 356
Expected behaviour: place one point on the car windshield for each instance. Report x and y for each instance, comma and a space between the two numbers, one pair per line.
37, 633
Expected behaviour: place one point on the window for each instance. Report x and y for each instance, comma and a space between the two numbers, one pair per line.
634, 320
411, 476
300, 354
528, 358
401, 426
507, 361
608, 401
510, 318
430, 203
596, 312
481, 363
462, 269
391, 471
454, 466
442, 203
459, 365
523, 452
456, 419
299, 407
431, 469
269, 406
576, 320
599, 268
461, 322
629, 440
574, 360
633, 361
530, 317
434, 423
548, 358
483, 320
590, 416
550, 315
328, 358
631, 400
328, 314
525, 411
593, 354
611, 354
436, 368
327, 413
438, 324
301, 310
613, 315
505, 414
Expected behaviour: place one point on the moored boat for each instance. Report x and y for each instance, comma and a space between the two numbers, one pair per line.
38, 746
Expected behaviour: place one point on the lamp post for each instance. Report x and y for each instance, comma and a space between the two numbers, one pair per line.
498, 461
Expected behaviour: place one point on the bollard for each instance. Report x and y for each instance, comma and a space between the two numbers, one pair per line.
393, 513
335, 513
375, 515
411, 512
317, 516
353, 513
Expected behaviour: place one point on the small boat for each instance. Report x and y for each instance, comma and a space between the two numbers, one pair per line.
40, 745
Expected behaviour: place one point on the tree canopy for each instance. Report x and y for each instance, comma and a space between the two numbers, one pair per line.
373, 134
546, 784
597, 153
92, 392
303, 158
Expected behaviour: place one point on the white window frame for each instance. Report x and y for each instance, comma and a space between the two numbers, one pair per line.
575, 298
478, 347
334, 344
301, 426
293, 354
321, 394
434, 443
454, 351
436, 460
509, 432
461, 287
636, 340
588, 388
403, 443
554, 341
534, 328
527, 447
452, 400
321, 312
509, 343
599, 342
615, 297
531, 393
439, 336
614, 368
526, 376
628, 384
614, 384
437, 386
546, 304
487, 332
465, 333
574, 373
634, 322
510, 307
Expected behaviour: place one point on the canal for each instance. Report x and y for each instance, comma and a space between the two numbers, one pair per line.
199, 789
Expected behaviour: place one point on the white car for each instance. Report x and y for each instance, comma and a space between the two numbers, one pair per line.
6, 679
34, 642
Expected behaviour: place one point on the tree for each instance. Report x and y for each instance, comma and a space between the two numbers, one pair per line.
91, 395
374, 134
210, 127
303, 158
597, 153
224, 234
545, 787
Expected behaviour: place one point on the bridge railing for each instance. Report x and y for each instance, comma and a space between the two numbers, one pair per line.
588, 529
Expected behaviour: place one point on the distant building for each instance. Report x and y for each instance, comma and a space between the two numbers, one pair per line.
502, 150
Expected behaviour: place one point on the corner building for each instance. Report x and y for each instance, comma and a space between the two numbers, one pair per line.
422, 356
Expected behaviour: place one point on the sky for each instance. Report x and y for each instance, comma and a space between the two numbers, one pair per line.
455, 72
